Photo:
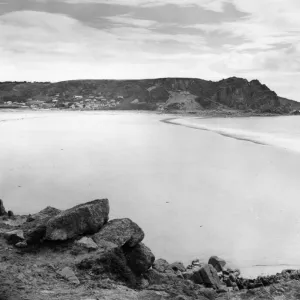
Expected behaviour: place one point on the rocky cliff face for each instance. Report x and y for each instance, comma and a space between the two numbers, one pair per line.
161, 94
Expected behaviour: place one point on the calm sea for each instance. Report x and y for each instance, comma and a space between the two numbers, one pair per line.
226, 187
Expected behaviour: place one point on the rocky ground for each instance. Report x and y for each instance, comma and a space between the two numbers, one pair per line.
80, 254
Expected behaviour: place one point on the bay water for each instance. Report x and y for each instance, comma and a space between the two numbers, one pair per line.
198, 187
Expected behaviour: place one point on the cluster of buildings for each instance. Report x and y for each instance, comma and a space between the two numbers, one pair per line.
93, 102
75, 102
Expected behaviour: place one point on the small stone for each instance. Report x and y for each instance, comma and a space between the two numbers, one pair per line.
180, 297
68, 274
14, 236
87, 243
30, 218
105, 245
21, 244
178, 266
222, 289
161, 265
232, 277
10, 214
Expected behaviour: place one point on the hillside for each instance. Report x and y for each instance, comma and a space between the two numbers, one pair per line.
164, 94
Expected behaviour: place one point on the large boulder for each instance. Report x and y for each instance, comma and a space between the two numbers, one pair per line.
87, 218
120, 232
210, 276
139, 258
36, 225
217, 263
2, 209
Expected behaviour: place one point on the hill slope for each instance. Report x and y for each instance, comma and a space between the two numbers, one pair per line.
155, 94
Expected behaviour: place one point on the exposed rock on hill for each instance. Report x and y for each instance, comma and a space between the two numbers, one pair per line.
155, 94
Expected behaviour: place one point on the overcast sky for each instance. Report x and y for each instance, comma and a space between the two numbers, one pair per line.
52, 40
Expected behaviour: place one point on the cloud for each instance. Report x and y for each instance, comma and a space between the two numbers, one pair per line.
216, 5
210, 39
45, 46
128, 20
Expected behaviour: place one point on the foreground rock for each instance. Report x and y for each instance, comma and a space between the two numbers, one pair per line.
111, 268
217, 263
161, 265
120, 232
87, 243
43, 214
112, 263
210, 276
36, 225
139, 258
14, 237
68, 274
87, 218
178, 266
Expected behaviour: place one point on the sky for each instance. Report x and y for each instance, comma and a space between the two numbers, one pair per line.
54, 40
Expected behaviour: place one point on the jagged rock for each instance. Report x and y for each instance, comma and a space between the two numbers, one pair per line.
14, 237
10, 214
178, 266
45, 213
113, 263
210, 276
2, 209
217, 263
139, 258
228, 282
87, 243
222, 289
193, 275
155, 277
105, 246
161, 265
120, 232
68, 274
232, 277
85, 218
36, 225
